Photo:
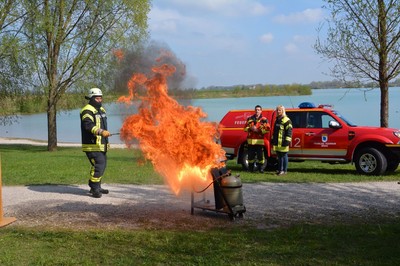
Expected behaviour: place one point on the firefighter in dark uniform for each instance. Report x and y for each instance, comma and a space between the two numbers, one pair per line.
95, 139
256, 127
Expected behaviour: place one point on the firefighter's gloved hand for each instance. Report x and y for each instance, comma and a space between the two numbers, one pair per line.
285, 143
105, 134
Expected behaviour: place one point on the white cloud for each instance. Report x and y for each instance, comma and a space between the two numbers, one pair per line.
291, 48
225, 7
194, 31
164, 20
306, 16
299, 38
213, 36
267, 38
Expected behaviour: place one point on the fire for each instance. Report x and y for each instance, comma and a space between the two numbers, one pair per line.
119, 54
181, 147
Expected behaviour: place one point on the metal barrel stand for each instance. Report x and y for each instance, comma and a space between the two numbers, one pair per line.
222, 202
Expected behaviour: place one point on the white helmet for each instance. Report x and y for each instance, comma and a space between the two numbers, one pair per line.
94, 92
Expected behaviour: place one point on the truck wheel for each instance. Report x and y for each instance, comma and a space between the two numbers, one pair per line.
244, 159
370, 161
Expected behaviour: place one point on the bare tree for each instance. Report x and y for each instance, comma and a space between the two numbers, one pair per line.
363, 42
71, 40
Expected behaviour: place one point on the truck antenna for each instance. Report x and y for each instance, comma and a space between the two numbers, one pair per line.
290, 98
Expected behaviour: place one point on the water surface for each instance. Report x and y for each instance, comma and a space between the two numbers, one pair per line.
361, 107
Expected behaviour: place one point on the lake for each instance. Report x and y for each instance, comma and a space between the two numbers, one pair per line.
360, 106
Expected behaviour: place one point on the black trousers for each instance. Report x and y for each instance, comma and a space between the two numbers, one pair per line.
256, 150
98, 160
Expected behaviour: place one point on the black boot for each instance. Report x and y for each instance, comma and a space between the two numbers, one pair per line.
95, 189
260, 167
102, 190
251, 167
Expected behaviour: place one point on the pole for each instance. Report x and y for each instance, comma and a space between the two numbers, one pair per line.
4, 220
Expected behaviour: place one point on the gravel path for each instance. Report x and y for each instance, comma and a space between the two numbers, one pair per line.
268, 205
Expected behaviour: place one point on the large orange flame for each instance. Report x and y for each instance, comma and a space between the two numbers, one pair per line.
181, 146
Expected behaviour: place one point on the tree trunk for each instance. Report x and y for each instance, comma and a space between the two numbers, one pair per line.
51, 127
384, 104
383, 63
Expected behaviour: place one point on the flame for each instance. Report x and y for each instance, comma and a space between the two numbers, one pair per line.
119, 54
181, 147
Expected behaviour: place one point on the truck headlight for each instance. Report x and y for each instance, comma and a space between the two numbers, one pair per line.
397, 134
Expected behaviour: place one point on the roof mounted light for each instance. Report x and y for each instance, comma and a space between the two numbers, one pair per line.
307, 105
329, 106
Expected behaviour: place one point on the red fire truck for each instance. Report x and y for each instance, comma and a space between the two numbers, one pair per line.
319, 133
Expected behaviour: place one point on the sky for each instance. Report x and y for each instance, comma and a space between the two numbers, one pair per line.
234, 42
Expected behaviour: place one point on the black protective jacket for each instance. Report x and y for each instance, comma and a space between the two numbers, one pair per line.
93, 121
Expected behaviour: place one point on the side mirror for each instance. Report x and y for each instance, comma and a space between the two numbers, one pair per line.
334, 124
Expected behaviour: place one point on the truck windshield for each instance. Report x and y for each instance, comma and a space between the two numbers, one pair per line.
344, 119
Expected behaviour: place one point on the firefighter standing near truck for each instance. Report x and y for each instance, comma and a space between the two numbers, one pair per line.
95, 139
281, 139
256, 127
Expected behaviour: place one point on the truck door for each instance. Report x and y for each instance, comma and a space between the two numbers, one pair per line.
321, 141
298, 119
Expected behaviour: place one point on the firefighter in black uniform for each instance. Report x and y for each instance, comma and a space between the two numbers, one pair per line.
95, 139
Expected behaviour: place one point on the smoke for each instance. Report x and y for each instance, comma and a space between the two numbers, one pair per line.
142, 59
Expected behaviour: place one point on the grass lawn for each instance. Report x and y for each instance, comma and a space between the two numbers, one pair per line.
357, 244
298, 245
34, 165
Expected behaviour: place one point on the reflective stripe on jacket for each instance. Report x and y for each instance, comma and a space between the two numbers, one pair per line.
262, 127
92, 122
282, 135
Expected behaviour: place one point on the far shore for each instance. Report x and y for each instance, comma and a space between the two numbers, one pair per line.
44, 143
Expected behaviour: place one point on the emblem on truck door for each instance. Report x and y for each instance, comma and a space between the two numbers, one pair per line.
324, 138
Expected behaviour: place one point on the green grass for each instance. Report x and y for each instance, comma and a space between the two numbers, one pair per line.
298, 245
359, 243
312, 171
34, 165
